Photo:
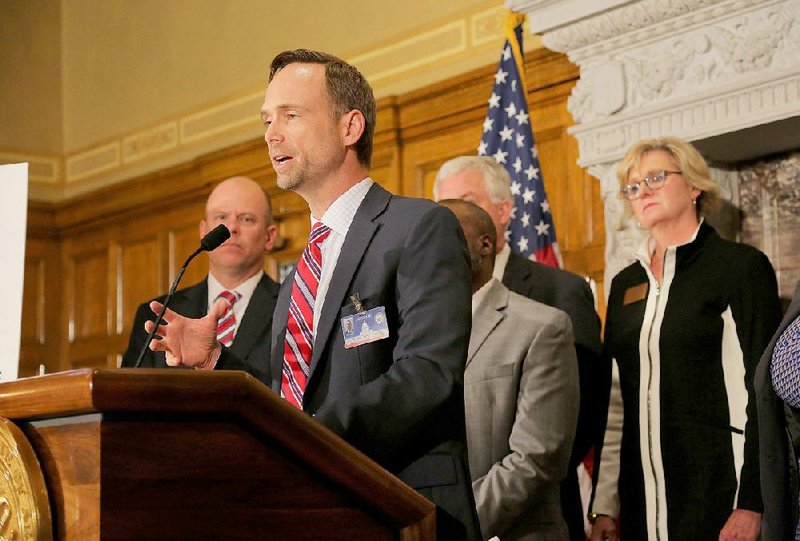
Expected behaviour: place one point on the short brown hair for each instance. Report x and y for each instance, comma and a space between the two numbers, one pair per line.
347, 90
693, 167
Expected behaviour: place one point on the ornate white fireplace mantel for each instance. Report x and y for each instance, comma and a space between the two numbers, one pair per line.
722, 73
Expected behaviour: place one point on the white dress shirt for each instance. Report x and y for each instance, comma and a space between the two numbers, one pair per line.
338, 217
500, 262
479, 295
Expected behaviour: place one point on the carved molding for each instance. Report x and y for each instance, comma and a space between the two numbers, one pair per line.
692, 118
731, 52
636, 22
551, 14
695, 69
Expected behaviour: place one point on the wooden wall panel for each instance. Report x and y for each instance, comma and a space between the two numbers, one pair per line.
33, 296
42, 294
91, 261
183, 240
140, 272
36, 342
89, 299
423, 157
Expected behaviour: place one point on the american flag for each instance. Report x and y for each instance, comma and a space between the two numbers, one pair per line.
508, 138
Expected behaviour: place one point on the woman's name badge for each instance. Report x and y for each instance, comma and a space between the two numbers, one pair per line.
635, 294
365, 327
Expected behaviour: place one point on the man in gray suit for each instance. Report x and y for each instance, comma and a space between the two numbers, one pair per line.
481, 180
521, 398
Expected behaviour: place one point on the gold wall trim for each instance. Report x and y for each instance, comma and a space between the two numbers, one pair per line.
148, 143
405, 55
487, 26
93, 161
41, 169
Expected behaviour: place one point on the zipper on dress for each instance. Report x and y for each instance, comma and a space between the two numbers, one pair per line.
650, 411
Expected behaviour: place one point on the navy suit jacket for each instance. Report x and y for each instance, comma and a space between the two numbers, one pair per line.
778, 459
252, 341
571, 294
399, 400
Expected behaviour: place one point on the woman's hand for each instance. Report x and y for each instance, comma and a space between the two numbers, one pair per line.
604, 529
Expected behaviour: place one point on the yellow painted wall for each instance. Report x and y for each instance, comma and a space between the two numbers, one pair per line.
105, 90
31, 117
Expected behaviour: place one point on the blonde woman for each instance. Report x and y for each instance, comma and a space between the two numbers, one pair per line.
685, 326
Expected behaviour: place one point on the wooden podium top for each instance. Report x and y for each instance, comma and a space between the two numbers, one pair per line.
234, 396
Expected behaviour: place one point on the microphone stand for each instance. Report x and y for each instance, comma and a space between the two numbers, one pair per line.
213, 239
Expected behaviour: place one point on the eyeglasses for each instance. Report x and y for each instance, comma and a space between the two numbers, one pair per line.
654, 182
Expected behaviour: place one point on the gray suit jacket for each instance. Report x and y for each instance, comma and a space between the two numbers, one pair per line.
521, 396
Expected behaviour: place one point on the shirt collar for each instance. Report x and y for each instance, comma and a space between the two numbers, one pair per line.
245, 289
644, 252
479, 295
340, 214
500, 262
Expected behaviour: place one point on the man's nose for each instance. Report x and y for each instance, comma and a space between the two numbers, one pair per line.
232, 223
273, 133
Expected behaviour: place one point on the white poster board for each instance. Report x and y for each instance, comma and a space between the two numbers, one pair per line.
14, 211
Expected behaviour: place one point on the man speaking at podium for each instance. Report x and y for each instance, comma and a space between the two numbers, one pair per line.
235, 274
371, 330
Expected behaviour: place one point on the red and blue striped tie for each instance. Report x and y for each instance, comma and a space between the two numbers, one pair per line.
226, 326
299, 341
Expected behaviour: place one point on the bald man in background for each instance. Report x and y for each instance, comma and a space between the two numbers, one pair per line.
236, 272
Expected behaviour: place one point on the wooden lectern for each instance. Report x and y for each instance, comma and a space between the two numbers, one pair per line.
182, 454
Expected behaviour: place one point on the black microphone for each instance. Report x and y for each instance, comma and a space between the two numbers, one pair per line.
213, 239
209, 242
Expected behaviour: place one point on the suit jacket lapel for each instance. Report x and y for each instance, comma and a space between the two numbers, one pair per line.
192, 301
279, 322
355, 244
488, 315
255, 319
515, 277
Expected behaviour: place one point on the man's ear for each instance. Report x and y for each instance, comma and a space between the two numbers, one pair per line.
504, 209
203, 228
353, 125
487, 246
272, 236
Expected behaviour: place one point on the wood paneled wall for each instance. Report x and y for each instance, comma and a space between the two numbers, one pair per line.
91, 261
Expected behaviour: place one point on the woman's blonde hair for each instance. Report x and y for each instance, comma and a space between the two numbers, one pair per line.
692, 166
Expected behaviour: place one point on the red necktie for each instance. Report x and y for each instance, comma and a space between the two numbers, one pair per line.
227, 323
299, 341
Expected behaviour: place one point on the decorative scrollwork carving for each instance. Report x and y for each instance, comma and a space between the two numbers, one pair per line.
24, 507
